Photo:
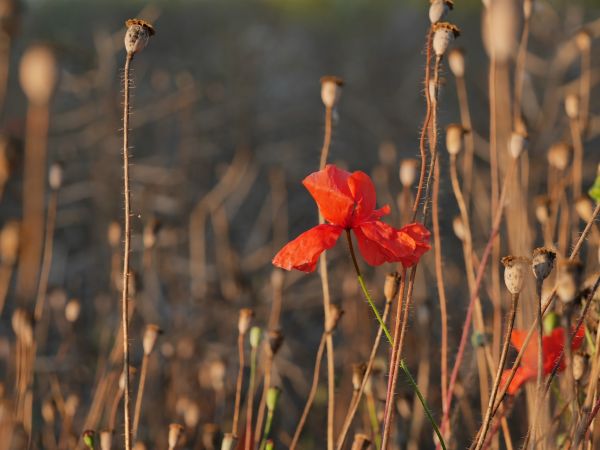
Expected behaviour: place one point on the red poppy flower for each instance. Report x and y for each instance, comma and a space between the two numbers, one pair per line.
552, 344
347, 202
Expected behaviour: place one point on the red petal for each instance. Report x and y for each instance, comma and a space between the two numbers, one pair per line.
420, 236
303, 252
521, 376
363, 193
378, 243
329, 188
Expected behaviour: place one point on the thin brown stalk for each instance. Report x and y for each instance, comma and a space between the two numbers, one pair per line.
585, 84
260, 416
520, 74
126, 251
575, 127
140, 396
311, 394
465, 119
47, 258
238, 385
250, 397
327, 137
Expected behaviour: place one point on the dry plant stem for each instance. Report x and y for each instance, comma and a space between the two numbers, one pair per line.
238, 386
47, 258
577, 157
465, 118
540, 340
260, 416
5, 43
480, 272
584, 89
250, 398
327, 137
311, 394
585, 426
488, 415
354, 405
126, 251
139, 397
520, 74
546, 305
591, 392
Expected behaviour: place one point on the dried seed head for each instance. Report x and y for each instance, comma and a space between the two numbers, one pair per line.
72, 310
114, 234
579, 366
459, 228
331, 90
542, 209
137, 35
228, 442
358, 375
542, 263
22, 323
514, 273
391, 285
151, 230
89, 438
272, 398
48, 412
106, 439
443, 34
255, 335
568, 280
275, 340
438, 9
191, 415
583, 39
527, 9
335, 314
572, 106
71, 405
217, 372
151, 334
244, 320
55, 176
38, 74
408, 172
174, 434
518, 144
584, 208
456, 61
9, 242
500, 18
361, 442
454, 138
559, 155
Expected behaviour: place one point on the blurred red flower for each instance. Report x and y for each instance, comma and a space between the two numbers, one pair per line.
552, 344
347, 202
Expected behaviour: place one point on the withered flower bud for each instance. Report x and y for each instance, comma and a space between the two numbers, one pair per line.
542, 263
443, 34
408, 172
391, 285
331, 90
151, 334
244, 320
358, 375
569, 280
514, 273
335, 314
454, 138
72, 310
48, 412
456, 61
275, 340
137, 35
175, 430
559, 155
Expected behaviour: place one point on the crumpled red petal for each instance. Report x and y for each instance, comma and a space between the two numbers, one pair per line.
329, 188
378, 243
522, 375
420, 236
303, 252
363, 194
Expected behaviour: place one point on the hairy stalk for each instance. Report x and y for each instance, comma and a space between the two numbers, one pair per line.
311, 394
488, 415
126, 252
140, 395
250, 397
238, 385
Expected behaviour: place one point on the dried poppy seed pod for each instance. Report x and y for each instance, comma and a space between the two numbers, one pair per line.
358, 375
71, 405
255, 335
518, 144
559, 155
514, 273
459, 228
228, 442
542, 209
105, 440
275, 340
151, 334
454, 138
9, 242
361, 442
501, 19
335, 314
568, 280
89, 438
272, 398
331, 90
456, 61
542, 263
583, 39
175, 430
408, 172
72, 310
390, 286
38, 74
244, 320
151, 230
191, 415
527, 9
217, 372
438, 9
55, 176
443, 34
48, 412
584, 208
572, 106
137, 35
579, 366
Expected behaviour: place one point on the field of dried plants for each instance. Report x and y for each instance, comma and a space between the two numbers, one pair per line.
243, 225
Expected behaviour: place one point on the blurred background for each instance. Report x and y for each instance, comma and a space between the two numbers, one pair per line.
226, 121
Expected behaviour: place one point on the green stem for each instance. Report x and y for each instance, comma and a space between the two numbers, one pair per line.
263, 443
413, 384
374, 421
